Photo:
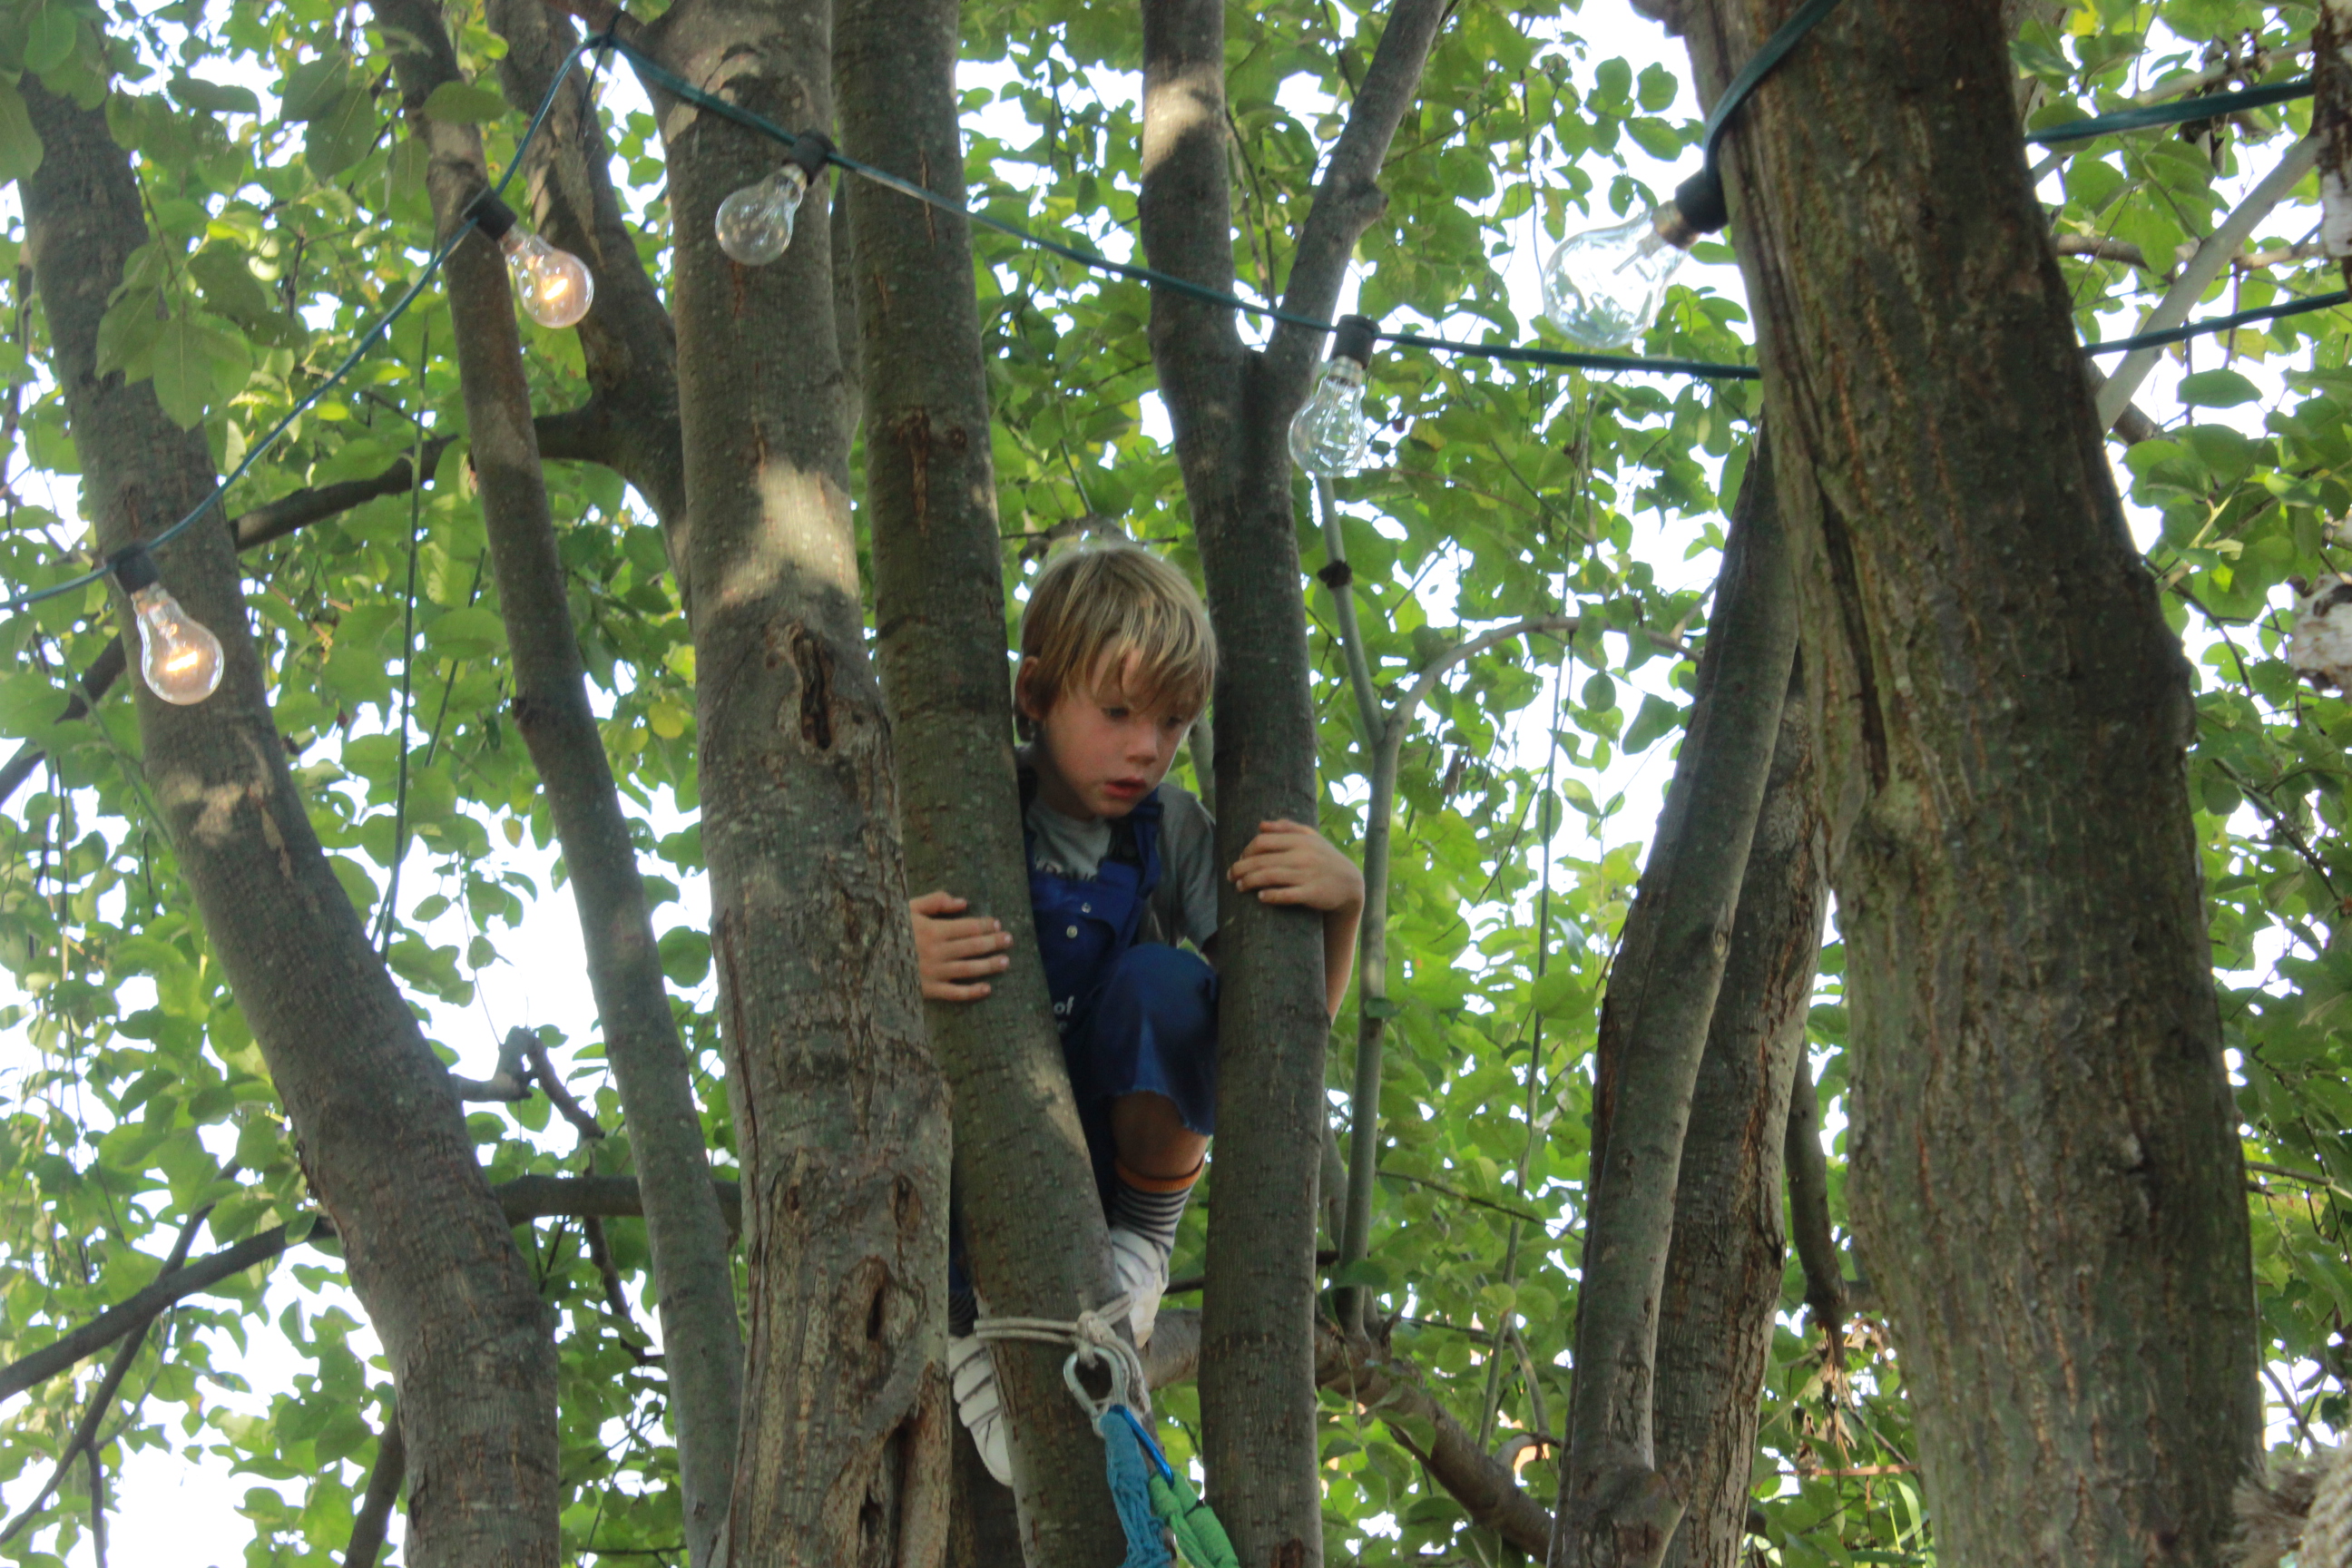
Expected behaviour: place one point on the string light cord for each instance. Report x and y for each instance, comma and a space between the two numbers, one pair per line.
368, 341
2179, 112
1693, 194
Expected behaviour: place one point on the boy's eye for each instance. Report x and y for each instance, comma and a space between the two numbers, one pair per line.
1115, 714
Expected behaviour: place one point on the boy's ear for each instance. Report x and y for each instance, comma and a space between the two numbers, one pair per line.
1025, 703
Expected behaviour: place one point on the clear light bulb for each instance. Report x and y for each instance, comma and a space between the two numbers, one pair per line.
1330, 436
1604, 287
179, 657
557, 288
755, 224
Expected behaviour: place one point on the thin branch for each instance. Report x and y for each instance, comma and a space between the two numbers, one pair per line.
524, 1199
2199, 273
511, 1080
82, 1440
542, 1071
383, 1480
1528, 1215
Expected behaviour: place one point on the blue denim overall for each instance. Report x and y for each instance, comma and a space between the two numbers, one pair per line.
1135, 1017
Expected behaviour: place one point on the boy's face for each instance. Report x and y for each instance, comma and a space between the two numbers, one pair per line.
1098, 751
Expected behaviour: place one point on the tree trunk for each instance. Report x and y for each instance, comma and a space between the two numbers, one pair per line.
1033, 1222
383, 1140
1618, 1506
2044, 1172
1723, 1271
692, 1277
839, 1116
1230, 409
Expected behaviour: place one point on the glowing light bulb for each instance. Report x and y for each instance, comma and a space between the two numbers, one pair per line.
1604, 287
1331, 435
555, 285
755, 224
179, 657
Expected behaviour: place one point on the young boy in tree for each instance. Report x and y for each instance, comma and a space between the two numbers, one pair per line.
1116, 661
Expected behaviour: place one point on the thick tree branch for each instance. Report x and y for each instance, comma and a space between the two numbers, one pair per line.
1349, 198
703, 1344
1616, 1507
627, 342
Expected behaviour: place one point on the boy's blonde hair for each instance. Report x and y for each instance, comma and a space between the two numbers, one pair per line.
1118, 614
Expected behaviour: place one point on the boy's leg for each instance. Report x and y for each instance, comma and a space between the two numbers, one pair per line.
1143, 1062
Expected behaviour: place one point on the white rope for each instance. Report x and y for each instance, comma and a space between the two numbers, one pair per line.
1094, 1339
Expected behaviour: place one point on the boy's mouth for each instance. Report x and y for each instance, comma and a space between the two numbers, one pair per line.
1124, 789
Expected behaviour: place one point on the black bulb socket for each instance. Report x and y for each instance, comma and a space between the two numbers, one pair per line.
1698, 203
134, 568
1354, 337
491, 215
812, 149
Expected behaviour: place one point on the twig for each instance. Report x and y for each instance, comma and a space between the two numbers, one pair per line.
543, 1071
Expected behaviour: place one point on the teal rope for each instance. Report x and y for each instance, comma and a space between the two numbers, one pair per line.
1129, 1474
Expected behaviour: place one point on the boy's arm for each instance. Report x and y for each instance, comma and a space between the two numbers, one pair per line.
1290, 863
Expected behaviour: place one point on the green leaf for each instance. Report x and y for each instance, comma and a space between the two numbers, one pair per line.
1365, 1273
314, 85
2218, 389
472, 631
465, 103
341, 132
20, 144
212, 98
50, 37
1654, 720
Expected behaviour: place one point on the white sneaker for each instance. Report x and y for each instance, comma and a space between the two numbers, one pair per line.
1142, 1265
971, 1371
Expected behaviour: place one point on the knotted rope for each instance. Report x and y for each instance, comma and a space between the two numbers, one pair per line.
1094, 1340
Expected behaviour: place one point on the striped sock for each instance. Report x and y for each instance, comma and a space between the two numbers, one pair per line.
1149, 1205
963, 1309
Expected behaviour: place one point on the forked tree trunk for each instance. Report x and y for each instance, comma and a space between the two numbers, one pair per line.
1723, 1271
839, 1115
384, 1138
1230, 407
2044, 1173
1032, 1220
692, 1275
1618, 1505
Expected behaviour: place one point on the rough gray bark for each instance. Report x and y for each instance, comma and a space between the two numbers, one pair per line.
693, 1280
627, 342
2037, 1078
1033, 1222
384, 1142
1723, 1271
839, 1113
1618, 1505
1230, 408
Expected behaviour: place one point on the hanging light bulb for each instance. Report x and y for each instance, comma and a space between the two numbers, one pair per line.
179, 658
1604, 287
1330, 435
556, 286
755, 224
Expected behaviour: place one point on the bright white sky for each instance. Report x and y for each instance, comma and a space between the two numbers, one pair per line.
174, 1511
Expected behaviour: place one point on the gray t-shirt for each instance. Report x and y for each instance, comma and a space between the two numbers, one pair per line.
1184, 906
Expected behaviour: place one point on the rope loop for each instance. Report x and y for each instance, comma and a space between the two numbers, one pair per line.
1094, 1339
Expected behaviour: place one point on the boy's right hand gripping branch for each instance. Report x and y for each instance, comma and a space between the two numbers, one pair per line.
955, 956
